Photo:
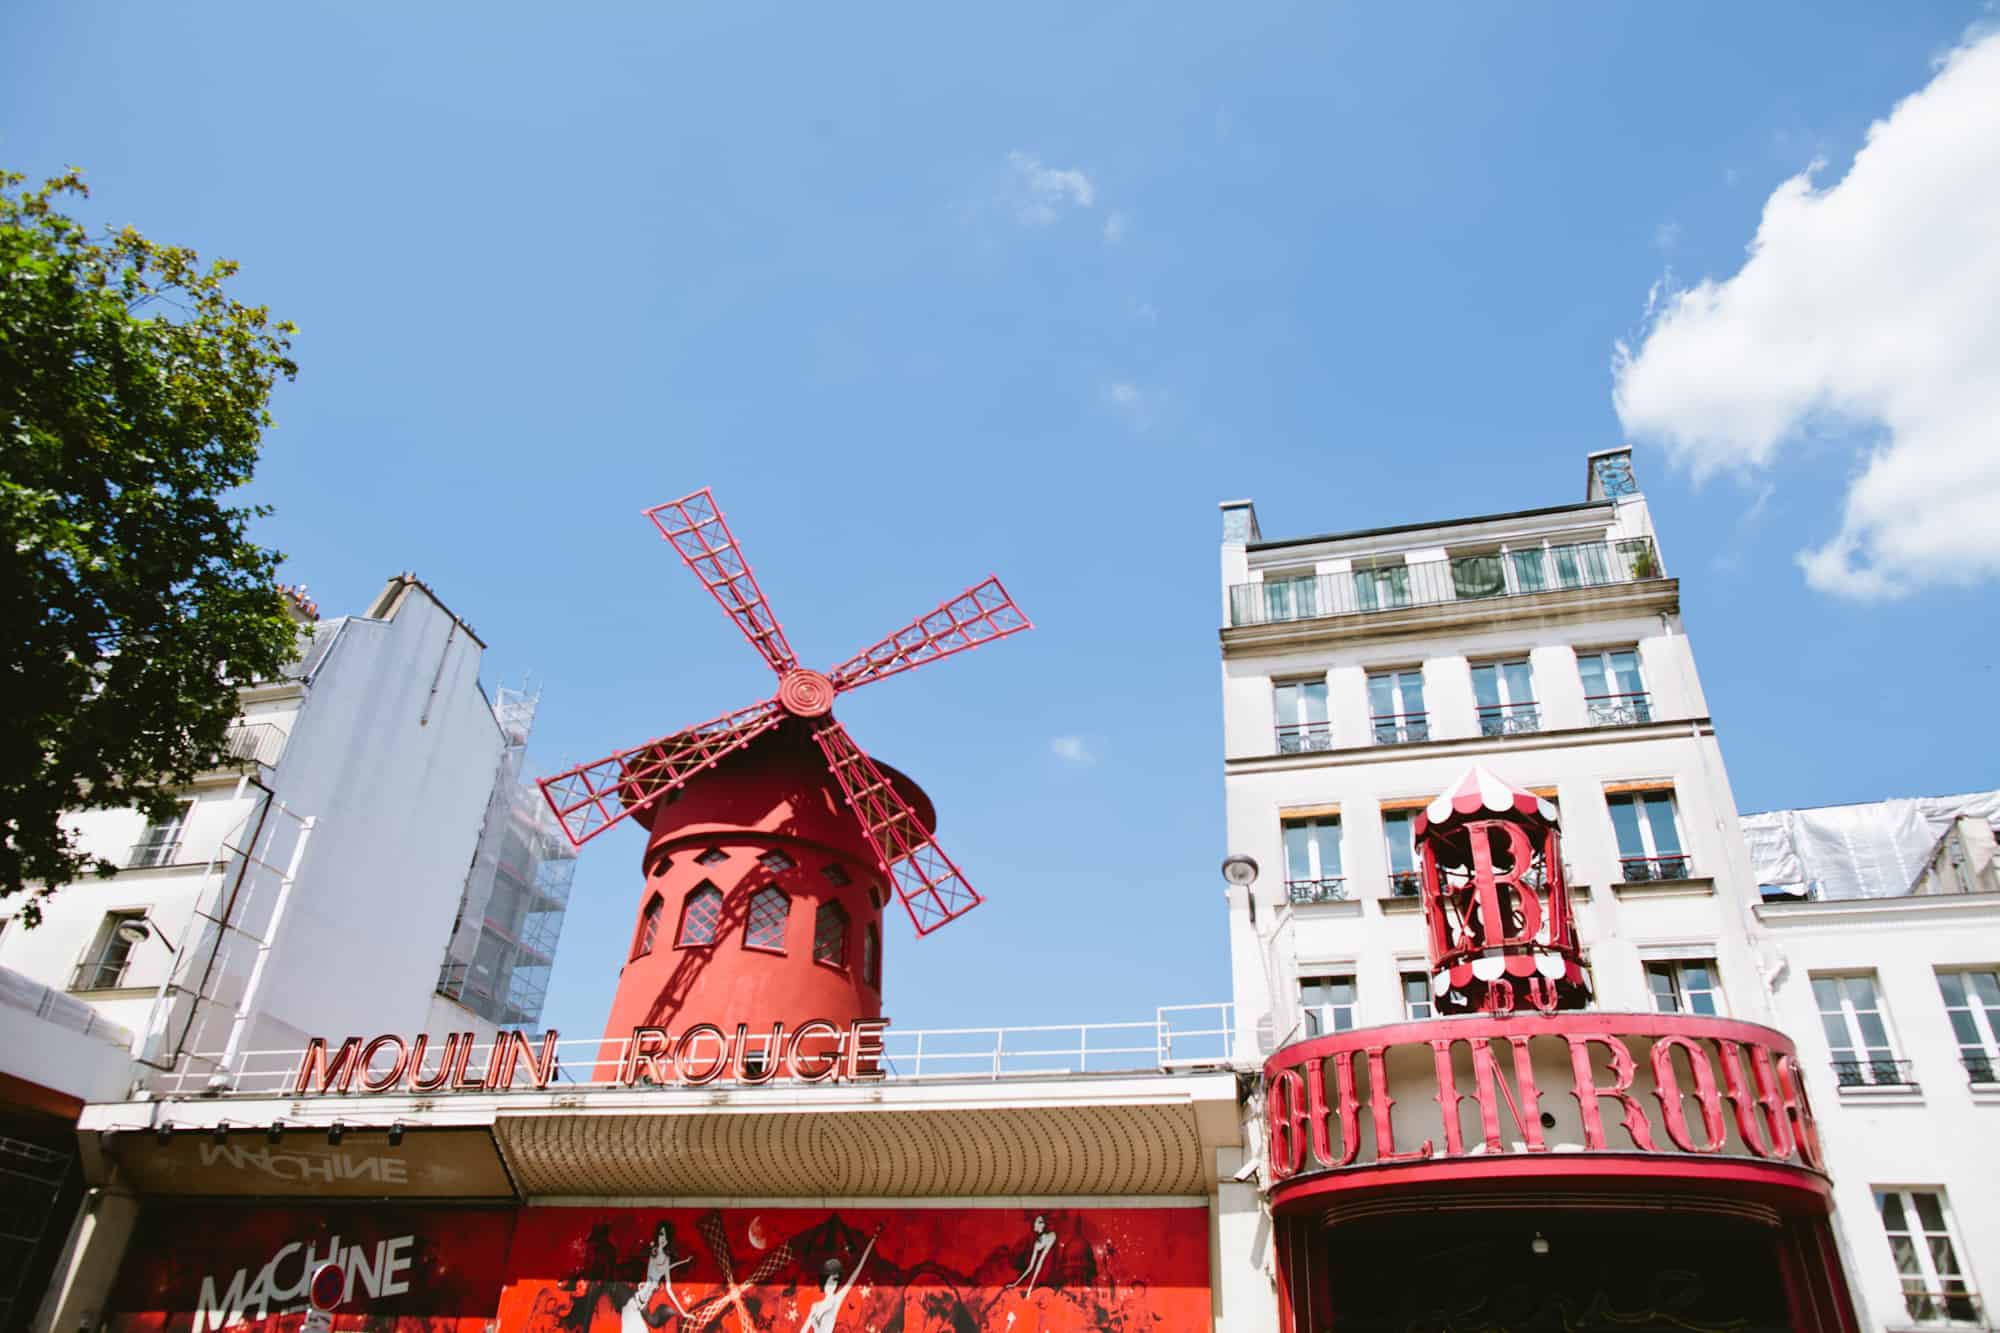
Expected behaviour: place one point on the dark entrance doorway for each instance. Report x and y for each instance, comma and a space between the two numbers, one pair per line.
1484, 1271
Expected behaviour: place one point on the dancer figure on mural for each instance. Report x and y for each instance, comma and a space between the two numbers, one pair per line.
833, 1292
660, 1266
1038, 1254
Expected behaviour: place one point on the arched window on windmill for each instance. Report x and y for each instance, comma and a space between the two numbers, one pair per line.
830, 935
649, 926
764, 927
701, 916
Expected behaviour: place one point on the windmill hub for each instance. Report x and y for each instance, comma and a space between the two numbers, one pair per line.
805, 693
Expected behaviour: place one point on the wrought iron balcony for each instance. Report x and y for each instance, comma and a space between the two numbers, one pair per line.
1396, 585
1873, 1073
1980, 1066
1304, 737
1328, 890
1510, 720
1619, 710
1401, 728
1639, 869
1406, 883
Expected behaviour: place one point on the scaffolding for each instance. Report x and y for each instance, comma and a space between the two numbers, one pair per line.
510, 916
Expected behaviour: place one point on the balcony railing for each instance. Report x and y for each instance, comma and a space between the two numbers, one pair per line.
1510, 720
1873, 1073
157, 848
1944, 1308
1980, 1066
1304, 737
1618, 710
255, 742
1328, 890
1401, 728
1390, 587
1639, 869
1405, 883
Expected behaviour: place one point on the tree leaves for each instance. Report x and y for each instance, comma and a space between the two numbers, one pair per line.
134, 391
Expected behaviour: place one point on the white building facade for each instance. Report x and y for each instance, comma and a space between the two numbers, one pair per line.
1365, 672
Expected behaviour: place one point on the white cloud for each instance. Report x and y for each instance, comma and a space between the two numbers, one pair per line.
1043, 194
1116, 227
1071, 749
1870, 307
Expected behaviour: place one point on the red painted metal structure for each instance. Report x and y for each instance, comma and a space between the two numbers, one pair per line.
766, 879
1496, 910
1524, 1162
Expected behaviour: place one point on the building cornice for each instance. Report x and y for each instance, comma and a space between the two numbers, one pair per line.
1642, 597
1928, 907
1557, 739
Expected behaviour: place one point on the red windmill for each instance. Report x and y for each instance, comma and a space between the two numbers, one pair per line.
790, 822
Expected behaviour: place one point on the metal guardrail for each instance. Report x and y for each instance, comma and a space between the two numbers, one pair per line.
1396, 585
1640, 869
1510, 719
1304, 737
255, 742
1182, 1036
1873, 1074
1332, 889
1618, 710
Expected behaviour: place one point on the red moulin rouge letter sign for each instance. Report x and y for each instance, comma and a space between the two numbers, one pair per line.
1495, 907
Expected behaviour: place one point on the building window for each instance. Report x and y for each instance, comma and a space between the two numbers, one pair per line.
1972, 1000
1399, 829
1857, 1032
713, 856
1649, 840
830, 935
1329, 1004
1936, 1289
1396, 707
837, 876
1417, 1002
1312, 860
764, 928
158, 844
1301, 712
1688, 986
1614, 693
1377, 586
103, 967
1290, 597
871, 956
701, 916
775, 861
649, 925
1505, 693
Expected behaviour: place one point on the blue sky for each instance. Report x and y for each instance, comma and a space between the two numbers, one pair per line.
926, 294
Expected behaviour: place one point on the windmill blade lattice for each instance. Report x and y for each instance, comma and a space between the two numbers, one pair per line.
931, 888
590, 798
976, 616
698, 533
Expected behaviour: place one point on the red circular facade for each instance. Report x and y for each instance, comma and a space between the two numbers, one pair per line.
762, 902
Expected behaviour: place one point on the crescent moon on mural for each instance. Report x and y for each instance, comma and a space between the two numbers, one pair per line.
757, 1233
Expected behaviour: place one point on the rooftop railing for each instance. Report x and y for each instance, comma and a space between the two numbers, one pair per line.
1394, 585
1185, 1036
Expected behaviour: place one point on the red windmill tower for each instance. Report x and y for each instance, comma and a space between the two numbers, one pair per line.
766, 878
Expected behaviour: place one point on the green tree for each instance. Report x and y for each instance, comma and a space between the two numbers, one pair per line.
133, 604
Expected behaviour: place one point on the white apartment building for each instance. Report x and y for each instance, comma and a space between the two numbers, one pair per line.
319, 882
1364, 672
1885, 919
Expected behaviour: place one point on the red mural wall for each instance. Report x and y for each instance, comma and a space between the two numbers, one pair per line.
674, 1270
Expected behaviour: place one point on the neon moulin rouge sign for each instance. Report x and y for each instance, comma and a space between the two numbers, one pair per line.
816, 1051
1555, 1086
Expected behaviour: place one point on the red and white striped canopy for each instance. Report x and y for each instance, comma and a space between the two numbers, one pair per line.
1479, 791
